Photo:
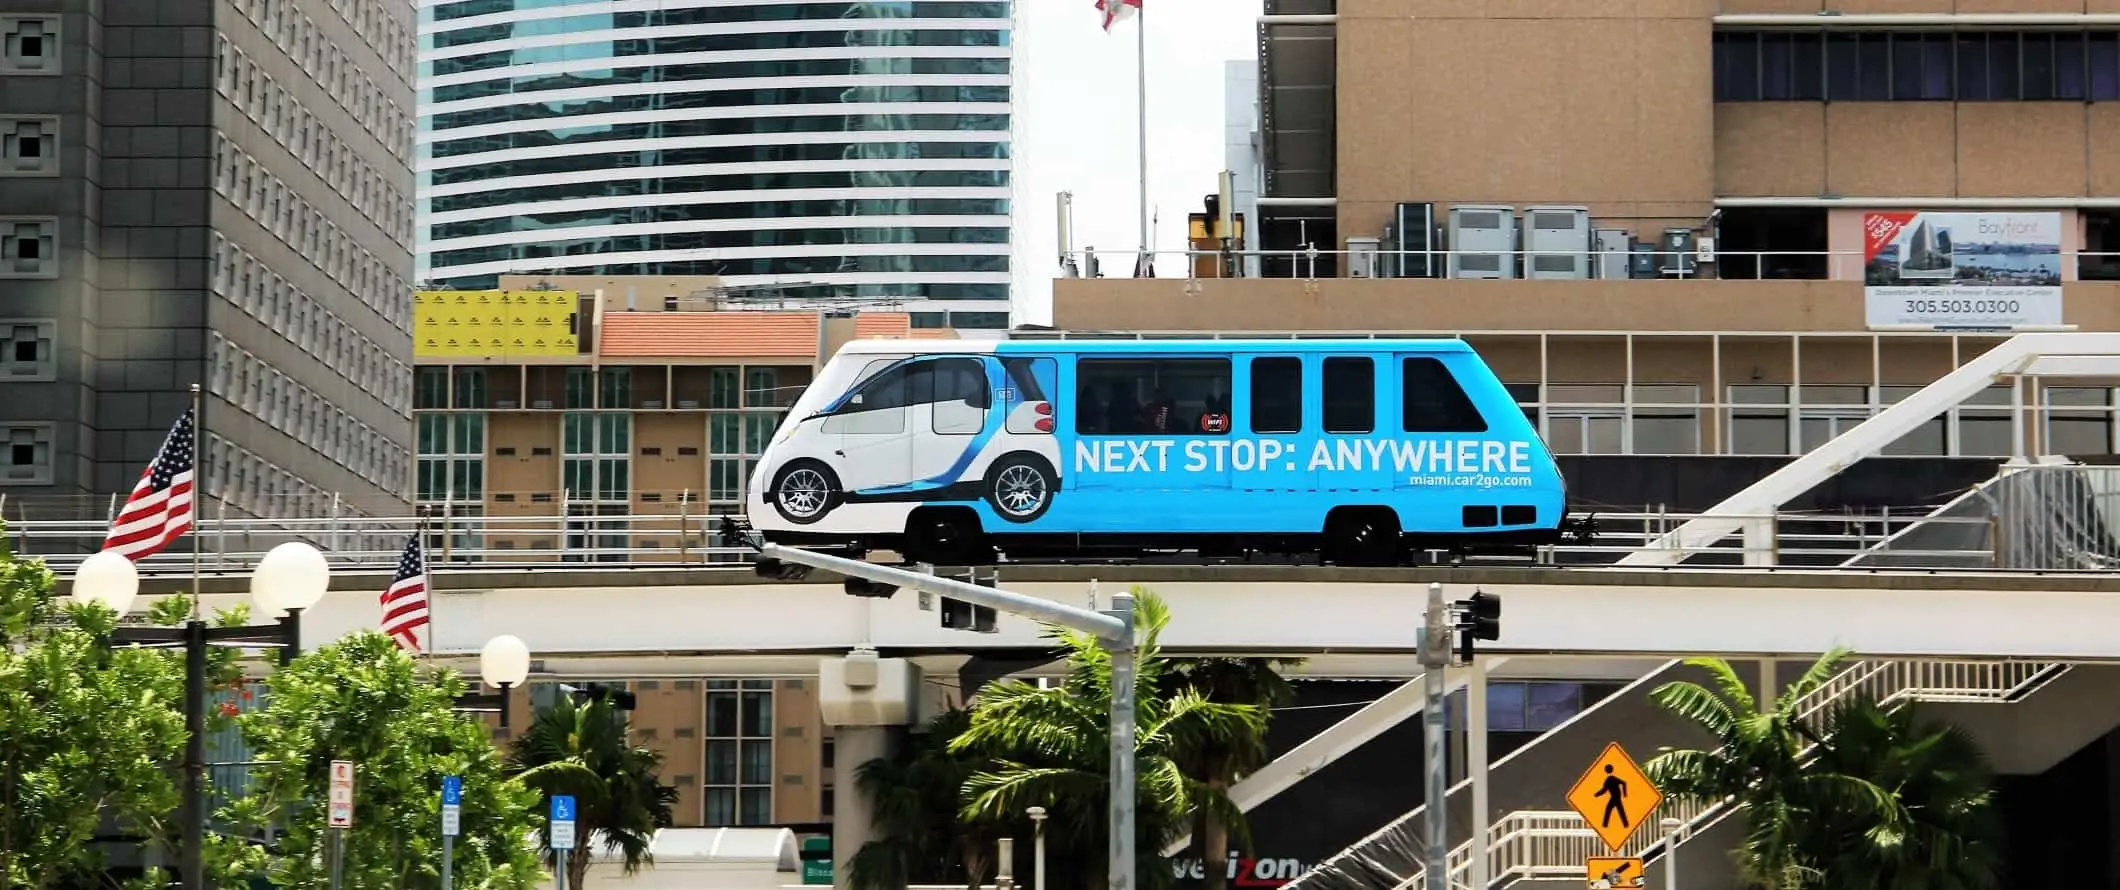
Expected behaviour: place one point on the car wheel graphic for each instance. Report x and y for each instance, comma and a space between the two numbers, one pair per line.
804, 491
1020, 487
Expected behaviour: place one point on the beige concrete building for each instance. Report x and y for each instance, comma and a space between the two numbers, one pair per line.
1759, 191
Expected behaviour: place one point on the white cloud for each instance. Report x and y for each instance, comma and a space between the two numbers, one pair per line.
1075, 127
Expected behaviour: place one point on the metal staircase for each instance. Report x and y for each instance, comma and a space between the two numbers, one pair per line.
1552, 844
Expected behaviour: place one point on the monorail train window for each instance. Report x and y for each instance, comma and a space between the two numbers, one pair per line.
1435, 403
1117, 397
1276, 395
1350, 395
1025, 380
919, 383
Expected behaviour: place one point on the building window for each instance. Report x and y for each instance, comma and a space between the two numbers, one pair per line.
746, 406
29, 248
29, 146
2079, 420
1666, 419
28, 456
1931, 439
29, 44
1524, 706
1810, 65
26, 353
1586, 418
452, 458
739, 786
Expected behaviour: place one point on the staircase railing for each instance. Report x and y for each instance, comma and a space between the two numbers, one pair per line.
1553, 844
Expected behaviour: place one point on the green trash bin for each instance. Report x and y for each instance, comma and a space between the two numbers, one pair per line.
817, 861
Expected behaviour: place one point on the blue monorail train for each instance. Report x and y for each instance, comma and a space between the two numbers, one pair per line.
1359, 451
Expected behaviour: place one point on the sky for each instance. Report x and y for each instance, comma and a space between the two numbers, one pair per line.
1075, 125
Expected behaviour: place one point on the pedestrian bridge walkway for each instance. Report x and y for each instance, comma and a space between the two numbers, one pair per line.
653, 613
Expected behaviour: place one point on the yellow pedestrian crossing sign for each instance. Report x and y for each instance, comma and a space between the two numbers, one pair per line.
1614, 796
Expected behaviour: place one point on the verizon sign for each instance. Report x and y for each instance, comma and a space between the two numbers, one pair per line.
340, 804
1245, 871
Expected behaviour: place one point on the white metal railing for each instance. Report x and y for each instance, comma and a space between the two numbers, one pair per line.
1385, 260
1553, 844
1802, 540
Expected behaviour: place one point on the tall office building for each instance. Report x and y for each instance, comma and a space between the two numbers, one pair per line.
208, 192
845, 152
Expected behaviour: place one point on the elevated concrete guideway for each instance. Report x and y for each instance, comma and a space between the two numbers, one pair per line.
1232, 609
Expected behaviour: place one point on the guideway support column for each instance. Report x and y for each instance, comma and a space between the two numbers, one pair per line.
865, 699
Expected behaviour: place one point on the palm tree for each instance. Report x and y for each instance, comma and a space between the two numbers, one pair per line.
1049, 748
1761, 763
1219, 763
582, 750
915, 796
1952, 838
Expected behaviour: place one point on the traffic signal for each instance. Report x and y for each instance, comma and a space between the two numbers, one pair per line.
1482, 620
776, 570
867, 588
961, 615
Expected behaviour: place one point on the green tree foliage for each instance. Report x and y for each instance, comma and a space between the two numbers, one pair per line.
1220, 761
916, 800
1952, 835
1857, 797
582, 749
365, 700
1049, 748
89, 733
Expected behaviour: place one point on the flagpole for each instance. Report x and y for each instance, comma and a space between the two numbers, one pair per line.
1146, 260
427, 578
198, 494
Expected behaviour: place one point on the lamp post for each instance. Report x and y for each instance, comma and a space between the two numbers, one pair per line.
503, 662
1037, 815
292, 577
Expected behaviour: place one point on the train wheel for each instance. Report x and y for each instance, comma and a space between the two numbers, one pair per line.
1367, 537
946, 537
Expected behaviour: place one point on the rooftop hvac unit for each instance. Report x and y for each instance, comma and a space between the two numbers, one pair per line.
1612, 248
1482, 241
1676, 253
1362, 257
1413, 255
1557, 242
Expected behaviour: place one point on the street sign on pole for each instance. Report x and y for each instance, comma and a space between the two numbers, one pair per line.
562, 822
1615, 797
340, 804
452, 805
1610, 873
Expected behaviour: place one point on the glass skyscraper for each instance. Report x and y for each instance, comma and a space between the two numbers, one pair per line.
833, 151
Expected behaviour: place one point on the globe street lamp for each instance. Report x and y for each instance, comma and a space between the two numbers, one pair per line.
292, 577
504, 662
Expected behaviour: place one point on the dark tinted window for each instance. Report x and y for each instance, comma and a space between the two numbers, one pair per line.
1150, 396
959, 379
1350, 387
1276, 395
1901, 66
1434, 402
895, 388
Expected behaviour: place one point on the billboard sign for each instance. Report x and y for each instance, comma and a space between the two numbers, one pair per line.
1961, 270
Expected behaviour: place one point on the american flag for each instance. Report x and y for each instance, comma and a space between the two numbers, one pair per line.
1114, 10
160, 508
405, 603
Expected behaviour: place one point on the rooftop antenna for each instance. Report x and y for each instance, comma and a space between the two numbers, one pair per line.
1066, 231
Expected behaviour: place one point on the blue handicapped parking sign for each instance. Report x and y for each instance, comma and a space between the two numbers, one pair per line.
562, 808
